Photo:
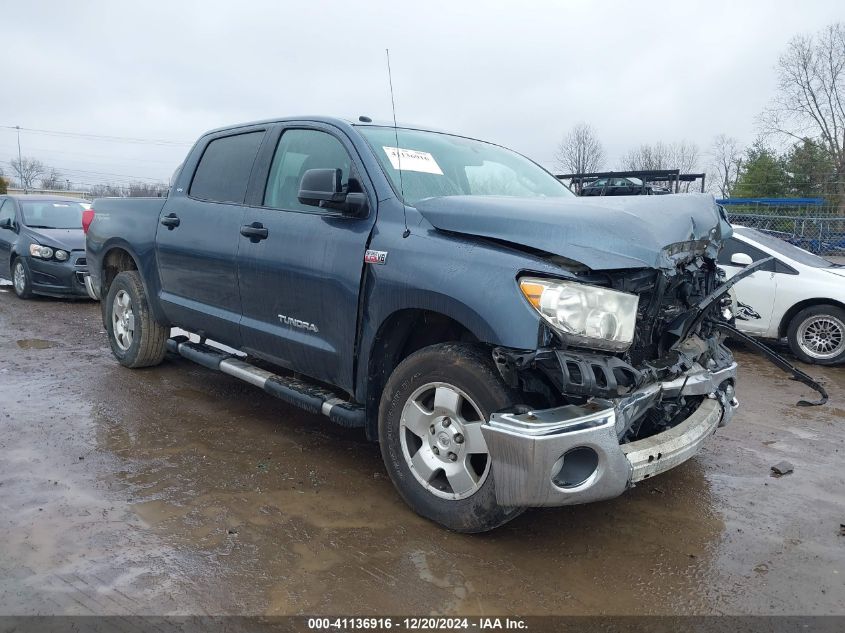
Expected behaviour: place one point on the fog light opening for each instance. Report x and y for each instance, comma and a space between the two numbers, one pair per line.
575, 467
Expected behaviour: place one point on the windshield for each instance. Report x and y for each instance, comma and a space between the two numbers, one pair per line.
784, 248
52, 214
435, 165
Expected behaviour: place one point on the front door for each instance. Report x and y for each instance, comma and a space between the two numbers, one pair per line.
300, 285
7, 236
198, 237
755, 294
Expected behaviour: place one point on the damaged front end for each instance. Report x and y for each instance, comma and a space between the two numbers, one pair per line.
618, 418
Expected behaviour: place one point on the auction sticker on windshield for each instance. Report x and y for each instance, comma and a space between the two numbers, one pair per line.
412, 160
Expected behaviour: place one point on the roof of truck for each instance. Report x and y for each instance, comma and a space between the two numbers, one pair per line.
339, 121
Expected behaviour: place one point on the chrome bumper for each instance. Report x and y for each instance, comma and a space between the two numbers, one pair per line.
89, 287
529, 451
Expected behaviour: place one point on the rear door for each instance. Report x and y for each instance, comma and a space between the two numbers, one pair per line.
300, 284
199, 233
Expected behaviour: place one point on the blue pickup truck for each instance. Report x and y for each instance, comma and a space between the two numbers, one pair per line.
508, 344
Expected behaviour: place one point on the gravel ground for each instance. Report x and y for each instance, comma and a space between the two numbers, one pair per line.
181, 491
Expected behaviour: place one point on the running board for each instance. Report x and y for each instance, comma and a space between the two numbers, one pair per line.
310, 397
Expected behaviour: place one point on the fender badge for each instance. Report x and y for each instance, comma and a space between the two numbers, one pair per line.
375, 257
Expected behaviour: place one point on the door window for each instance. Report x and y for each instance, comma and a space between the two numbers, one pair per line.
733, 246
7, 210
297, 152
223, 172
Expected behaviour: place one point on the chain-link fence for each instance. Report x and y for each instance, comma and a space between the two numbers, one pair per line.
809, 223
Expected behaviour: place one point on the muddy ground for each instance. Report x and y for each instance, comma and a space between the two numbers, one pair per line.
178, 490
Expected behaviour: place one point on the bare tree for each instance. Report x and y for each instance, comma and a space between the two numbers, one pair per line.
27, 169
810, 98
107, 190
726, 161
681, 155
53, 180
580, 151
147, 190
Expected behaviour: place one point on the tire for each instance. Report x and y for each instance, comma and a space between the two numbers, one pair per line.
136, 339
21, 278
817, 334
466, 386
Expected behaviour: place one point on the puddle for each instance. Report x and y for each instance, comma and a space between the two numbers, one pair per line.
36, 343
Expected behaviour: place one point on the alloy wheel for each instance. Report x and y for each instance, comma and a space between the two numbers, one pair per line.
19, 278
821, 336
123, 320
440, 435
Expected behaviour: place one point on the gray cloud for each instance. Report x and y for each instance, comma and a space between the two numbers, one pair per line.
515, 73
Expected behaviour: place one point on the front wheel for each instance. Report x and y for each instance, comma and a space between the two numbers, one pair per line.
430, 419
22, 278
136, 338
817, 335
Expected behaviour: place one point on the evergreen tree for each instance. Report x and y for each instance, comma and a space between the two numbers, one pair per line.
763, 174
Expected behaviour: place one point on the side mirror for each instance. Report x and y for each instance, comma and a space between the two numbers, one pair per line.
741, 259
6, 223
321, 185
323, 188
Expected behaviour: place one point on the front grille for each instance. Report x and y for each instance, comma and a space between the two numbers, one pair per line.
81, 261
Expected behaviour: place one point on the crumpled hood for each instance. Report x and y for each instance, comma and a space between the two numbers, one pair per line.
67, 239
603, 233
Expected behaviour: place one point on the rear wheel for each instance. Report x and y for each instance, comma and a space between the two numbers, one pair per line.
817, 335
136, 338
430, 419
21, 278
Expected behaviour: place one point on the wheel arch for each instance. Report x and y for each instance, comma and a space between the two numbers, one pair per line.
117, 258
399, 335
783, 327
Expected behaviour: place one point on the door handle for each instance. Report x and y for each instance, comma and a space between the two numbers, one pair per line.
171, 221
255, 232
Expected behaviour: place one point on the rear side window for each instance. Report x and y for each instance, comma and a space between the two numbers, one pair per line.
223, 172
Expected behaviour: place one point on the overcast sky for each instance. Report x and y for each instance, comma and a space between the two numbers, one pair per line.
517, 73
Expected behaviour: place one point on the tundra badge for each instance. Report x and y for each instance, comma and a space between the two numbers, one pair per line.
302, 325
375, 257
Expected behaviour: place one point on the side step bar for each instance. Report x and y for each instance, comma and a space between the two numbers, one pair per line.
312, 398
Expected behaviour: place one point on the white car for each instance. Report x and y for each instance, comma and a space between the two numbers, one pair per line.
797, 295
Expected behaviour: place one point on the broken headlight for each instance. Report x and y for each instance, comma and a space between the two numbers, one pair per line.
591, 316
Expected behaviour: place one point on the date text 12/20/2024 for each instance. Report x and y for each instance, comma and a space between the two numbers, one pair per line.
417, 624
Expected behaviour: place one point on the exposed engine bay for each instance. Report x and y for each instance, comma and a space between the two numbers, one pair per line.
683, 318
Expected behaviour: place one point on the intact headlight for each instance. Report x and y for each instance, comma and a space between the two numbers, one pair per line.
44, 252
61, 255
591, 316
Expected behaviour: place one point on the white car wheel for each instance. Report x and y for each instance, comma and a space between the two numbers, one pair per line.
817, 334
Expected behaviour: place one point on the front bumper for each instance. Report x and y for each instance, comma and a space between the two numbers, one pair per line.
59, 279
529, 451
90, 288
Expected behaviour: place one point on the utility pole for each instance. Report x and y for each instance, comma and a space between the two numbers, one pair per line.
20, 162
